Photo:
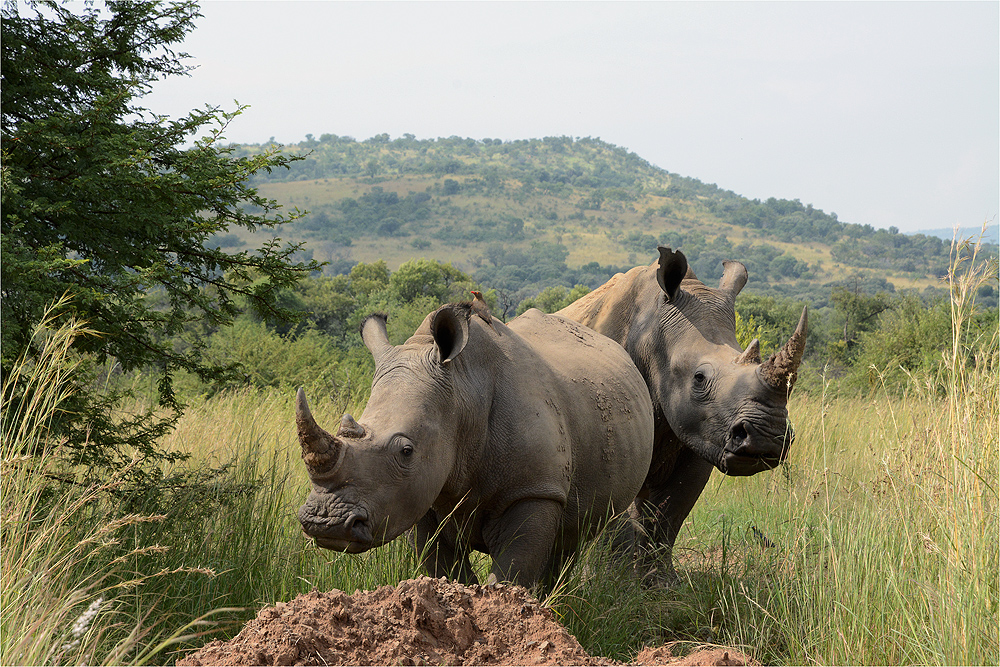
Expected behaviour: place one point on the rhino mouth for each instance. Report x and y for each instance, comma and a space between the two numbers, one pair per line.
347, 546
735, 465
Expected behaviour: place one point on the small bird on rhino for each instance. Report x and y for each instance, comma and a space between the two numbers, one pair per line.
480, 308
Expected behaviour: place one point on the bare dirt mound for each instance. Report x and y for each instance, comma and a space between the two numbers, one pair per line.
421, 621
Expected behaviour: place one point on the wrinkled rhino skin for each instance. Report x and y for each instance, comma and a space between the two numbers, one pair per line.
519, 443
714, 403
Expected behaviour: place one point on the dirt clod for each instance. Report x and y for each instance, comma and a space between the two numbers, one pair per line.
421, 621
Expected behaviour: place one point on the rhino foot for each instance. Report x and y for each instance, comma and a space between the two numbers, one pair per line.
663, 577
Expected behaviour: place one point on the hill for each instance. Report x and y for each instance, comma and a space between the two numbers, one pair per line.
523, 215
991, 233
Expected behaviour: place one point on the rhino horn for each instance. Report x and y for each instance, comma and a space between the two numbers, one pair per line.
350, 428
779, 371
320, 450
751, 355
374, 335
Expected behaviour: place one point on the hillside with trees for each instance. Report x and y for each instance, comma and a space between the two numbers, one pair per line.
521, 216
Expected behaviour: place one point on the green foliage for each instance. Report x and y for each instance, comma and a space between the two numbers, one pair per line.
330, 301
269, 359
770, 319
323, 352
376, 212
522, 274
905, 345
103, 201
748, 329
916, 345
368, 278
423, 277
551, 299
859, 311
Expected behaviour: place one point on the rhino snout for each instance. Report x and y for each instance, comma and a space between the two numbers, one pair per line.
750, 449
344, 530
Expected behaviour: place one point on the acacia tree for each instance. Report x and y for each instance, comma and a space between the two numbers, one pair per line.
108, 202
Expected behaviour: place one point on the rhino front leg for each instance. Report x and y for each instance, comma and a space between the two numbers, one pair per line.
437, 546
669, 502
521, 540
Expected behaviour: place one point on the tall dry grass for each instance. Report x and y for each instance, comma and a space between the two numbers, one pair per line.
884, 522
84, 583
63, 572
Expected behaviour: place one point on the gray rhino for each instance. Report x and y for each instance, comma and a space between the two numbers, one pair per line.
520, 445
714, 403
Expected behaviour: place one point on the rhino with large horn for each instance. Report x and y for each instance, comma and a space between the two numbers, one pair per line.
520, 445
715, 404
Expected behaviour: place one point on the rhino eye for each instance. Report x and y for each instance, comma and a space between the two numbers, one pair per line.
407, 450
702, 376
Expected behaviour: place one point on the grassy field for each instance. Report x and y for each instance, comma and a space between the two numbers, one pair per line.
877, 543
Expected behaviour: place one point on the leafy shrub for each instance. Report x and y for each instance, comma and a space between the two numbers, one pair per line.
551, 299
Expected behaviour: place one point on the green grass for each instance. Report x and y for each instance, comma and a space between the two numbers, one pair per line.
884, 527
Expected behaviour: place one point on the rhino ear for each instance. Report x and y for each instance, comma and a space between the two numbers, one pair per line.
734, 277
374, 335
671, 271
450, 330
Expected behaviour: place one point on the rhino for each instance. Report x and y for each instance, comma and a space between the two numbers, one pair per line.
519, 442
715, 404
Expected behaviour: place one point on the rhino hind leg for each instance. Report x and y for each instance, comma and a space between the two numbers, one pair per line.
438, 547
662, 513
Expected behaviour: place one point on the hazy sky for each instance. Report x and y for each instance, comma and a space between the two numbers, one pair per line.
885, 113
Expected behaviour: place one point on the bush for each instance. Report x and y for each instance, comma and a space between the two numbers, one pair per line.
269, 359
551, 299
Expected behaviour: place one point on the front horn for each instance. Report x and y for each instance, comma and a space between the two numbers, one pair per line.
320, 450
779, 371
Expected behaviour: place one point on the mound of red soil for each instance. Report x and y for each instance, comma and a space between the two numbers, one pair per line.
419, 622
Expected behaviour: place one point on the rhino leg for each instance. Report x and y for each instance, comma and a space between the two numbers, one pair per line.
669, 502
521, 540
438, 548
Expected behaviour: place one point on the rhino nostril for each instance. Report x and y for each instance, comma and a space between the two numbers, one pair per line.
357, 526
740, 434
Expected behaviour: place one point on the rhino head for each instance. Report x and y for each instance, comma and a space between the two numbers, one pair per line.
375, 478
720, 400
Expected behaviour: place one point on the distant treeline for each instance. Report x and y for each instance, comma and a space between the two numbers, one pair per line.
857, 327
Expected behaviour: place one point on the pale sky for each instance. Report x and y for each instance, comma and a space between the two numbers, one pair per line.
887, 113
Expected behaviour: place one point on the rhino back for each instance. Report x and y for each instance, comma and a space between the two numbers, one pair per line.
600, 407
612, 308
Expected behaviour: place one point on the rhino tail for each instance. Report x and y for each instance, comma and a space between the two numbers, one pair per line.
320, 450
779, 371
